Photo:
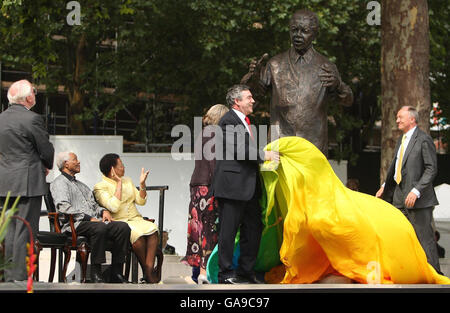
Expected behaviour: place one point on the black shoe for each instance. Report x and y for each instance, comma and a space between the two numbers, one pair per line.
96, 274
236, 280
254, 280
118, 279
243, 280
228, 280
116, 274
97, 278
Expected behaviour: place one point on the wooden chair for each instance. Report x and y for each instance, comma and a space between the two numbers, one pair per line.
48, 239
159, 254
56, 242
72, 242
81, 243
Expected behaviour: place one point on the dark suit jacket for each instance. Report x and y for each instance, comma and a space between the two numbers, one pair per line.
237, 173
25, 152
419, 168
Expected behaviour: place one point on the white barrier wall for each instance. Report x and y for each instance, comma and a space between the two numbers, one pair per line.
164, 170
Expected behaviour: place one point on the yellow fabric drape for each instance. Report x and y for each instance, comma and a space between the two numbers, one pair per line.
329, 228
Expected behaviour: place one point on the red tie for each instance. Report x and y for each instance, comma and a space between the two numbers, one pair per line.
249, 128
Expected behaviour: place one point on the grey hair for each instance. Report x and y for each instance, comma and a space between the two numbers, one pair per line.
23, 91
235, 92
412, 112
62, 157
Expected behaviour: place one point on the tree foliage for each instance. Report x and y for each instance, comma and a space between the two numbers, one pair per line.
440, 57
194, 49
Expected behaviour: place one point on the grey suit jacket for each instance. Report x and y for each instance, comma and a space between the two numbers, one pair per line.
25, 153
419, 168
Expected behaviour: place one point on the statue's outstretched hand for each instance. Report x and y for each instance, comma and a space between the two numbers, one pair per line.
329, 77
254, 68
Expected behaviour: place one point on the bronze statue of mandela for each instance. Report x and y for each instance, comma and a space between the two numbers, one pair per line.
301, 81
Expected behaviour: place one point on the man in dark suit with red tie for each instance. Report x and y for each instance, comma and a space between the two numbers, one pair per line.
237, 187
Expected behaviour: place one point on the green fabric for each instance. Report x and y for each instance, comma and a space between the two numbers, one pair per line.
272, 235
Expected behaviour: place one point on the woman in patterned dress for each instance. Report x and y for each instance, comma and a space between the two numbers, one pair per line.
203, 217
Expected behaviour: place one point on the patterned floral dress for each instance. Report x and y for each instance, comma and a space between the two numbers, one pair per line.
203, 216
202, 227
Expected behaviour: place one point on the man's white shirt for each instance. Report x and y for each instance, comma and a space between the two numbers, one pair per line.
242, 117
408, 136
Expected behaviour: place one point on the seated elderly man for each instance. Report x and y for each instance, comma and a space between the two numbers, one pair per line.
71, 196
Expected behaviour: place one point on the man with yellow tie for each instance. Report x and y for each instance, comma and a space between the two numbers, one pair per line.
409, 180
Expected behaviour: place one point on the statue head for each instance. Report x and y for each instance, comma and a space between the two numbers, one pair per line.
303, 29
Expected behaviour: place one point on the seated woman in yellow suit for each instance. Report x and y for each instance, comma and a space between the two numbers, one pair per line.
119, 195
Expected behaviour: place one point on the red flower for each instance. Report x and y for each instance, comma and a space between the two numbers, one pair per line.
203, 190
31, 258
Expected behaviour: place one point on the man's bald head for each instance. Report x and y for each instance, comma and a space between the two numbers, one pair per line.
19, 92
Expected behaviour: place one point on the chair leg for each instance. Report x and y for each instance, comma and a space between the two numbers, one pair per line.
66, 263
134, 268
83, 253
128, 263
60, 265
37, 249
52, 265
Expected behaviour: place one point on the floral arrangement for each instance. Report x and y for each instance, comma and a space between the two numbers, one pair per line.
436, 119
5, 219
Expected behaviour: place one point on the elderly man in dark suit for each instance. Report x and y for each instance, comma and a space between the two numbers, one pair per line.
236, 185
409, 180
26, 155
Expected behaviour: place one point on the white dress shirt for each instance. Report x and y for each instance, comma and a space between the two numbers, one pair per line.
242, 117
408, 136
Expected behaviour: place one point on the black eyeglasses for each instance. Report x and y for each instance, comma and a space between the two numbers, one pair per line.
35, 90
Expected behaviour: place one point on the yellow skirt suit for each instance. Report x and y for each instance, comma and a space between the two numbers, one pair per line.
124, 210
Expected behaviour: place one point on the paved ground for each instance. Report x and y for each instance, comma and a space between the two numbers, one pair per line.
219, 288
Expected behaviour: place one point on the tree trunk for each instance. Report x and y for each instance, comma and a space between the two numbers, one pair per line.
76, 95
404, 69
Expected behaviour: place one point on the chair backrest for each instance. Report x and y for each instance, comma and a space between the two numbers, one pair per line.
162, 190
50, 205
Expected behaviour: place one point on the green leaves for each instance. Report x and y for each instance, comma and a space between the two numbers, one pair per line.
196, 49
6, 215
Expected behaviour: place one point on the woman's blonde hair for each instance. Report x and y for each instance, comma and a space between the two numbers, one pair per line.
214, 114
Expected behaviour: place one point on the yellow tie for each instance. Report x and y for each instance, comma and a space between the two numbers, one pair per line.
398, 176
